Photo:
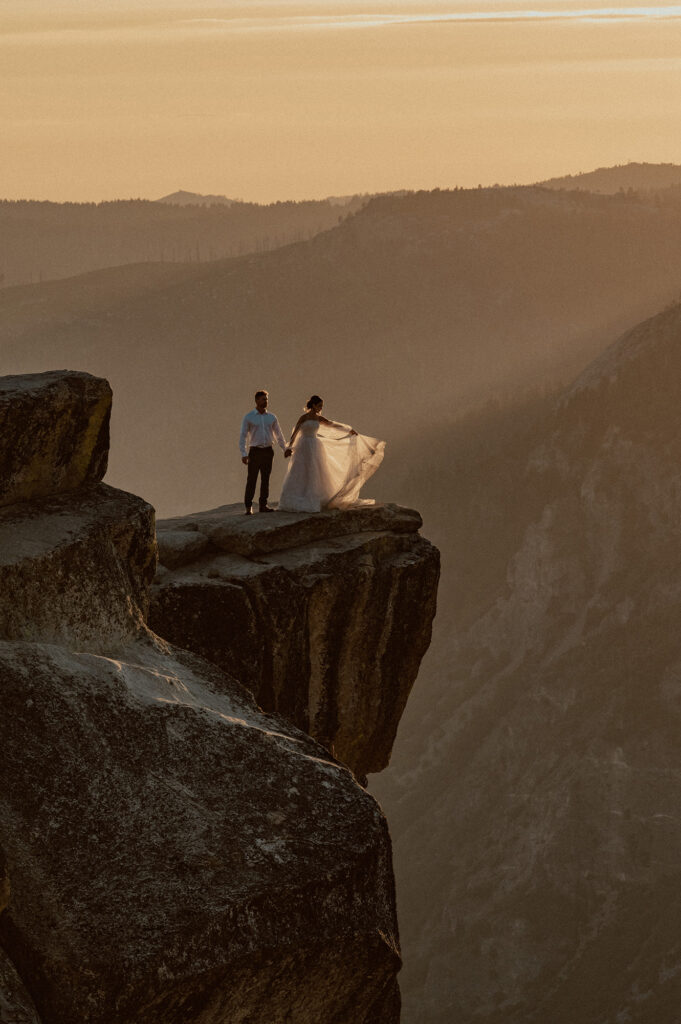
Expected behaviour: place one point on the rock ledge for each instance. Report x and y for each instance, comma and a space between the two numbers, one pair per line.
324, 617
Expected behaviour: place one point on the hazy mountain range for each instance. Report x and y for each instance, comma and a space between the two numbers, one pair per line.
534, 786
418, 302
41, 240
637, 176
183, 198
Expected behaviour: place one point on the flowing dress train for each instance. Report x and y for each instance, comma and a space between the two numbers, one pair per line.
328, 468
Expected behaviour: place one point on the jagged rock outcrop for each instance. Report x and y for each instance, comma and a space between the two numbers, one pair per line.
325, 617
176, 856
54, 433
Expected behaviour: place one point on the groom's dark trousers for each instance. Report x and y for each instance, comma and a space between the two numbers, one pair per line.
259, 461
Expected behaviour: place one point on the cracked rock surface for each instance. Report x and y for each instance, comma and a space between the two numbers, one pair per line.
325, 617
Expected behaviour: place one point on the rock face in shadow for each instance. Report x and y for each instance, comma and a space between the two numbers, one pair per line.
176, 856
324, 617
54, 433
16, 1006
550, 760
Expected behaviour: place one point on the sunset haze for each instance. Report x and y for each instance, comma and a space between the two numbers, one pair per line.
406, 749
288, 100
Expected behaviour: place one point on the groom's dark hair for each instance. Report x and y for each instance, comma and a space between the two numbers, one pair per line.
259, 394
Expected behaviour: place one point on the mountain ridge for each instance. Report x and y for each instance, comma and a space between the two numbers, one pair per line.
40, 240
443, 297
609, 180
183, 198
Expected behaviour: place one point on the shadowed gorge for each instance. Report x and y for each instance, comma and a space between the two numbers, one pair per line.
533, 803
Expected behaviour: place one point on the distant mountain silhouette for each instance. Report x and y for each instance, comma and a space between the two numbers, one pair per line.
419, 302
342, 200
42, 241
636, 176
182, 198
534, 788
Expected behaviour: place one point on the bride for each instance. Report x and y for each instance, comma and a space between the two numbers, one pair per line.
329, 463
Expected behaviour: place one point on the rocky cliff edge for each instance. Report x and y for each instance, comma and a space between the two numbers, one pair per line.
168, 852
324, 617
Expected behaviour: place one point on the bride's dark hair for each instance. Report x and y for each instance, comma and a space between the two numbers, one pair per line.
315, 400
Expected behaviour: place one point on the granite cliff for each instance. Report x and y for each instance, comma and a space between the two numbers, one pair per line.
324, 617
168, 851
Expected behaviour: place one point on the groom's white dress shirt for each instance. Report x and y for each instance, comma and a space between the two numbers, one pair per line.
260, 430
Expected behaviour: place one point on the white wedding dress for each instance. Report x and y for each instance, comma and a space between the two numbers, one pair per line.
328, 468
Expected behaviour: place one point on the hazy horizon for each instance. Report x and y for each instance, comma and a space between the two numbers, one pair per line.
282, 100
327, 195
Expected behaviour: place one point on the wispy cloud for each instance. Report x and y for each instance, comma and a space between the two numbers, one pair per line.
302, 22
173, 18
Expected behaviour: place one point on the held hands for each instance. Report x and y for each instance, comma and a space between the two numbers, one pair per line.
288, 452
353, 433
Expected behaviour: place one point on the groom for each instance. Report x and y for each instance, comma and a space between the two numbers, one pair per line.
259, 429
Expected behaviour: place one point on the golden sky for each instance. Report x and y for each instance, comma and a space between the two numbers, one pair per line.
104, 99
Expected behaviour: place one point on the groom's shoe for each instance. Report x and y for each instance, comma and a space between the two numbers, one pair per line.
248, 512
266, 508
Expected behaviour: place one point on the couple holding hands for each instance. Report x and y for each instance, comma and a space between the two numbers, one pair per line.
328, 462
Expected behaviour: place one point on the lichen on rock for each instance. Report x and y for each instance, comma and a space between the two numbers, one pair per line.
54, 433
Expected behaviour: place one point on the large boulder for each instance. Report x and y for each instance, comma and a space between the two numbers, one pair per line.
75, 568
54, 433
176, 856
324, 617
